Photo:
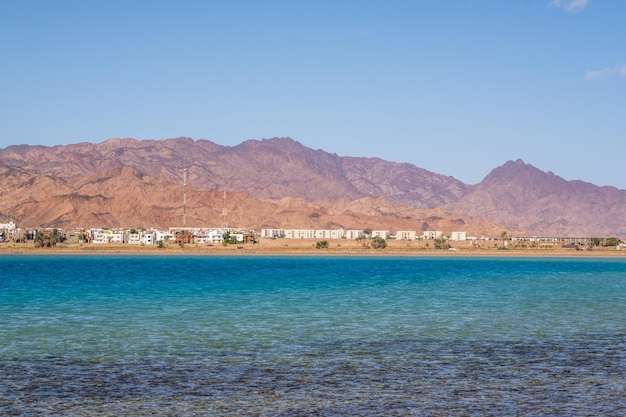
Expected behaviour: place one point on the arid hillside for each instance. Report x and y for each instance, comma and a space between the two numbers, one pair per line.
282, 183
522, 197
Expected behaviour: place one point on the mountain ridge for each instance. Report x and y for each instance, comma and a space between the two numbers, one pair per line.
119, 174
522, 196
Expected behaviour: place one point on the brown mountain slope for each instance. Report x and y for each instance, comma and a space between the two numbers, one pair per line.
281, 183
522, 197
266, 169
123, 197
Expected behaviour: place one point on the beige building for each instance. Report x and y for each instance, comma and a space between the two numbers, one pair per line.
432, 234
406, 235
458, 236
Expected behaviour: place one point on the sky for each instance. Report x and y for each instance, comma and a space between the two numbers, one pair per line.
456, 87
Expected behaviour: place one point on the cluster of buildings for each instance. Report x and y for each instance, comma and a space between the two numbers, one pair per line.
173, 235
357, 234
216, 235
7, 231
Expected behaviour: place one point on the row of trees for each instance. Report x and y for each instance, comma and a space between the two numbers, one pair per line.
376, 242
47, 239
42, 239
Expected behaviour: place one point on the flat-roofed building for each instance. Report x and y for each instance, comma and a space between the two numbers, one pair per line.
272, 233
458, 236
103, 236
432, 234
406, 235
299, 234
353, 234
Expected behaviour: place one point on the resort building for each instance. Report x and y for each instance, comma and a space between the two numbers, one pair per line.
381, 233
142, 238
103, 236
311, 233
406, 235
206, 236
329, 234
458, 236
299, 233
433, 234
163, 236
353, 234
9, 227
272, 233
7, 231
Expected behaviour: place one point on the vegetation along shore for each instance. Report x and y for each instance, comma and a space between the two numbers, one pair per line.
316, 247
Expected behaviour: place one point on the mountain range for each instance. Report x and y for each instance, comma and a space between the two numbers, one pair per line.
280, 183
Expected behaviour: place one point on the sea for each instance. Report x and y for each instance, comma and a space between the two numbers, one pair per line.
242, 335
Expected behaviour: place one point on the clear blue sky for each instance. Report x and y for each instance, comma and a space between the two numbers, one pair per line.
456, 87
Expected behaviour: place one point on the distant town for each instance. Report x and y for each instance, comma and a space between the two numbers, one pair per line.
10, 232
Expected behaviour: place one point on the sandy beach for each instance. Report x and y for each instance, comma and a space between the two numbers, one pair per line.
308, 247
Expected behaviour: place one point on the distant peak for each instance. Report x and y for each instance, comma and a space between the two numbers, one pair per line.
282, 141
518, 171
515, 166
118, 141
517, 163
20, 149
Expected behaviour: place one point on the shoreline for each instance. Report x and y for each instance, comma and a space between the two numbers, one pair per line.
306, 247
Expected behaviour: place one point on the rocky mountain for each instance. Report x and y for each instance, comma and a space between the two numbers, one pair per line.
266, 169
124, 197
522, 197
281, 183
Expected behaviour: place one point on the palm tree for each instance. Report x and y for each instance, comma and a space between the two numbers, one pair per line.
47, 240
40, 239
504, 236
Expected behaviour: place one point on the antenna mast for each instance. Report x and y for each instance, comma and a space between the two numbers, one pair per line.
185, 195
224, 222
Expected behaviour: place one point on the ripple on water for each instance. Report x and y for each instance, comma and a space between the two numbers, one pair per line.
467, 377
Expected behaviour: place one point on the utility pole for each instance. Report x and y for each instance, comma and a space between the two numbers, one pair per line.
185, 196
224, 222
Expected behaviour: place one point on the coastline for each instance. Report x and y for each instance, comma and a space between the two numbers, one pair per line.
306, 247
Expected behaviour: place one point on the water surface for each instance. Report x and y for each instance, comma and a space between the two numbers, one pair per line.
126, 335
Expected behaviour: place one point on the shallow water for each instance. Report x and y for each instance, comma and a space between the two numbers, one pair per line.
124, 335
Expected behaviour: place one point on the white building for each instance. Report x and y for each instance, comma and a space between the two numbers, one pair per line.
329, 234
322, 234
206, 236
315, 234
272, 233
432, 234
381, 233
103, 236
134, 239
337, 234
458, 236
148, 238
8, 227
353, 234
164, 236
406, 235
141, 238
299, 233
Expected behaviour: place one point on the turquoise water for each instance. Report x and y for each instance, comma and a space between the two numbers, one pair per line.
125, 335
